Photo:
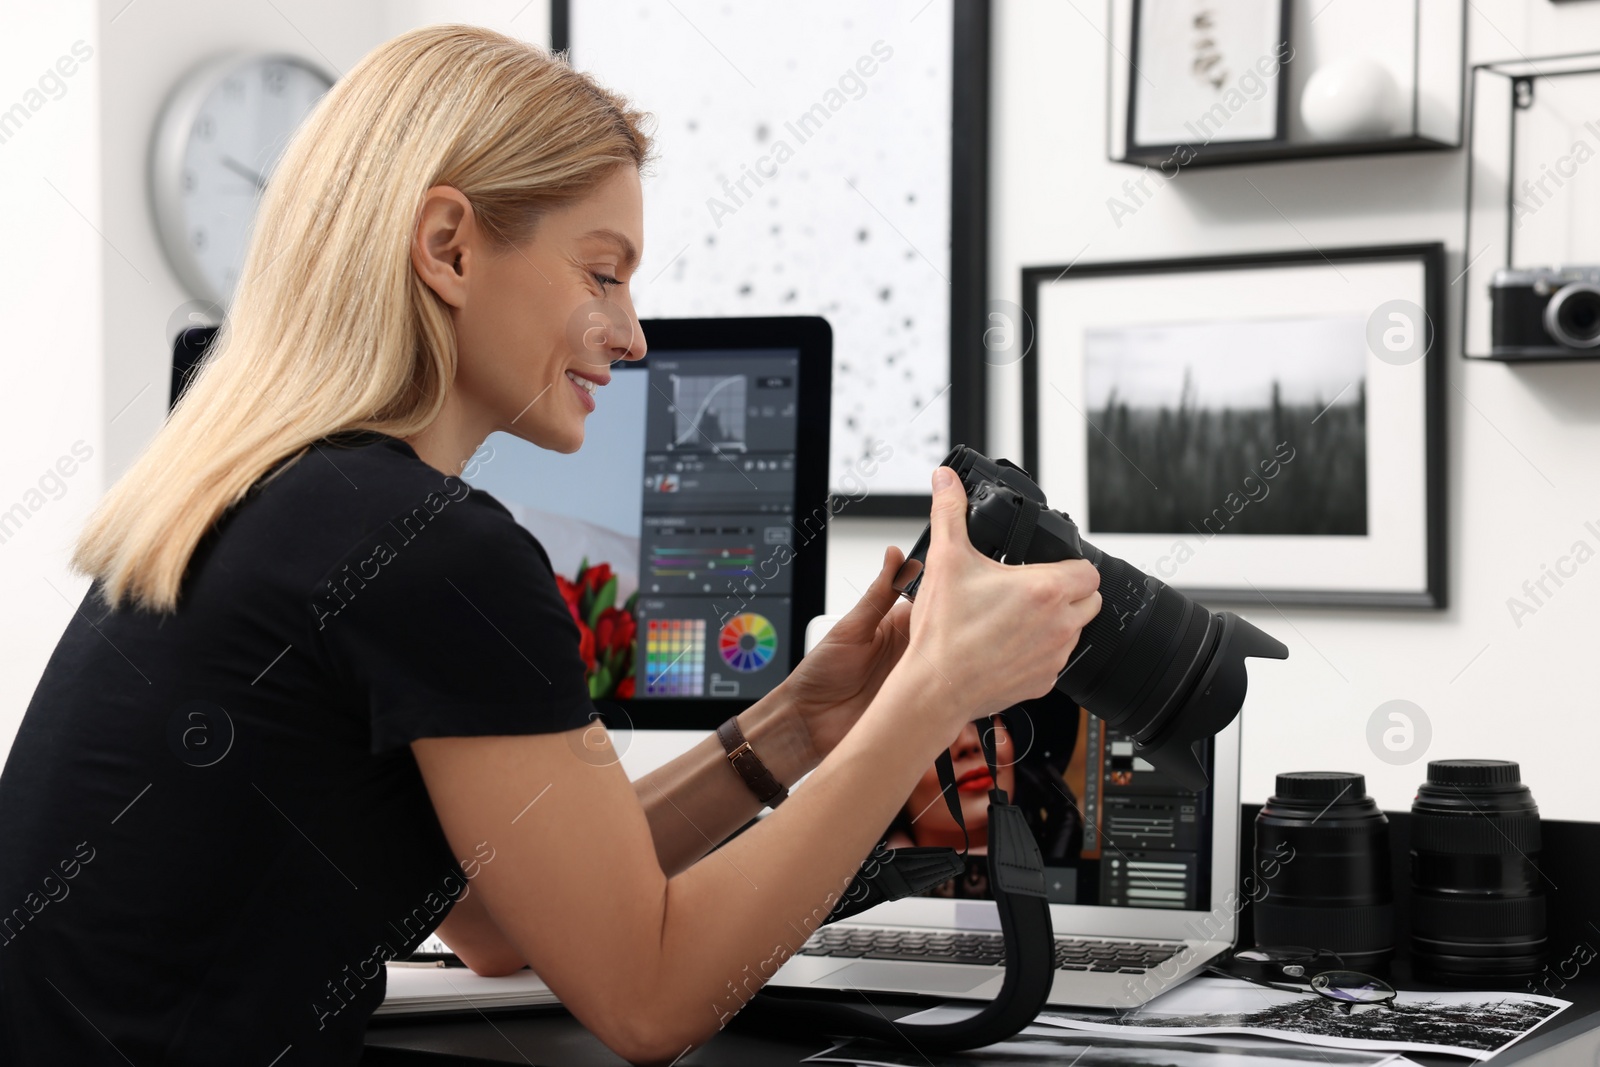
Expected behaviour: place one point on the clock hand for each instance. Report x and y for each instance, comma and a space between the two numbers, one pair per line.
244, 171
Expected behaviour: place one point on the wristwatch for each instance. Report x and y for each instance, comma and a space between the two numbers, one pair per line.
744, 759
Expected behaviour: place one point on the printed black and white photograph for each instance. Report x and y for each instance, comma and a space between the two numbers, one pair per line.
1233, 427
1241, 427
1038, 1045
1471, 1024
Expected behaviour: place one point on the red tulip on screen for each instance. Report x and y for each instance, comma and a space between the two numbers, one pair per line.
615, 630
595, 577
569, 593
586, 645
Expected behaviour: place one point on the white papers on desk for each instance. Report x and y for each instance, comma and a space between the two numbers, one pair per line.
1471, 1024
445, 989
1038, 1046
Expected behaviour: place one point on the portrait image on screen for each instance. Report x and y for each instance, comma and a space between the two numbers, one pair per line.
1111, 829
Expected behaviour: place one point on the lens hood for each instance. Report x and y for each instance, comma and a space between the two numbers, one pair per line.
1172, 747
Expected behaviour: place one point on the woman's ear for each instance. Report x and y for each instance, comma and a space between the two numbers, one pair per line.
440, 244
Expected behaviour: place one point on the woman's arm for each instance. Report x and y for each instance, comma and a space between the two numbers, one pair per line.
472, 934
654, 965
694, 802
697, 800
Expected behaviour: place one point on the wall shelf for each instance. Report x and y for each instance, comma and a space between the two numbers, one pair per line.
1424, 50
1533, 191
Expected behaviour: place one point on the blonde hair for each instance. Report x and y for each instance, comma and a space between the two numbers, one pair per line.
330, 328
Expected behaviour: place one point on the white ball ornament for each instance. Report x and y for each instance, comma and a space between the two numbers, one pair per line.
1351, 100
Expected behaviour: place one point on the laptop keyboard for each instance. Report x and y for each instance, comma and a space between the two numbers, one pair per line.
932, 946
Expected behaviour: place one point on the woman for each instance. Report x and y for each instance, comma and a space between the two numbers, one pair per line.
1030, 780
322, 697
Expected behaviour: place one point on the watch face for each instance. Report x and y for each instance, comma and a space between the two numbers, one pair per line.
243, 121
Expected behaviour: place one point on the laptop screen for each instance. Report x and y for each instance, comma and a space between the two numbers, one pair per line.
1112, 830
671, 529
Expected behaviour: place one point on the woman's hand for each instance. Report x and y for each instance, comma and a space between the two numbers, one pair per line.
836, 681
987, 635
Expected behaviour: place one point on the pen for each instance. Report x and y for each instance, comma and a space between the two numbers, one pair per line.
443, 959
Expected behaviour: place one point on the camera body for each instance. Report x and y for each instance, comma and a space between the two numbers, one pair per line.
1153, 663
1545, 313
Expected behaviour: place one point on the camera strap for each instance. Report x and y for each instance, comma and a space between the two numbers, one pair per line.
1020, 533
1016, 882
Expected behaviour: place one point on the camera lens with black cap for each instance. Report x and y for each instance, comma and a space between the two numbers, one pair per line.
1330, 883
1477, 898
1154, 664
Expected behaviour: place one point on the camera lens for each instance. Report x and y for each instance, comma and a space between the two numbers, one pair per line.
1573, 316
1478, 909
1329, 844
1153, 664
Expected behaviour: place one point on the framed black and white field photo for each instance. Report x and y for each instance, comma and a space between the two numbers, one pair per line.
1207, 70
1248, 428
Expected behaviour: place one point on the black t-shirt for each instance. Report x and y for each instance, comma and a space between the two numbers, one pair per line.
212, 831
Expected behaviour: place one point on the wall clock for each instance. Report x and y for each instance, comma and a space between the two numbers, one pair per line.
216, 142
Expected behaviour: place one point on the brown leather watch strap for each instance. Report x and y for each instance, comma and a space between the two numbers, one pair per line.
744, 759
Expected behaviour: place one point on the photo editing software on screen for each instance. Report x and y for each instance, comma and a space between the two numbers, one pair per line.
1111, 829
668, 529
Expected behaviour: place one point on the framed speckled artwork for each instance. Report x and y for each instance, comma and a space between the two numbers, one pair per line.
827, 158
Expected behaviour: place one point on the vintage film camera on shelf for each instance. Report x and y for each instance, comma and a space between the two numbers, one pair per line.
1545, 313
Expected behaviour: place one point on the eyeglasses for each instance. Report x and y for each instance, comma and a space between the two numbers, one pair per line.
1274, 967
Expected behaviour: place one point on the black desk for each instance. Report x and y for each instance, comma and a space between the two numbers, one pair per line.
550, 1037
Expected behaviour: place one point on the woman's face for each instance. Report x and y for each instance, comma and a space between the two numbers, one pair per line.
555, 307
972, 787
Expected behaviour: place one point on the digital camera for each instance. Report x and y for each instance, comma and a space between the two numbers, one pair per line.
1545, 313
1153, 663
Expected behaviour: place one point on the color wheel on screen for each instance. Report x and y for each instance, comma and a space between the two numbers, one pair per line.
748, 642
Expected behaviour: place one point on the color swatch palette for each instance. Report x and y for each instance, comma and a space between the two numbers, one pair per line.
748, 642
675, 657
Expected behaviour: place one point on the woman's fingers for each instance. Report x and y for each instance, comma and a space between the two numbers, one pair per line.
947, 519
1083, 611
1079, 577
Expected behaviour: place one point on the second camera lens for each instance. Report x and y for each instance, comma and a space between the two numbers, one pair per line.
1477, 903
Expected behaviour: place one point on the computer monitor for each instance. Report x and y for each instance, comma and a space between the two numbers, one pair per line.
689, 532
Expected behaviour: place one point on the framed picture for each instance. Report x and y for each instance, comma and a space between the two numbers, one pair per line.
1248, 428
823, 159
1204, 71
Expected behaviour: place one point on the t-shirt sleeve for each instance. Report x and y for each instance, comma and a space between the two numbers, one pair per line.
450, 624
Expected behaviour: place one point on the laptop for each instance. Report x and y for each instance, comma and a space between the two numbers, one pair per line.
1141, 874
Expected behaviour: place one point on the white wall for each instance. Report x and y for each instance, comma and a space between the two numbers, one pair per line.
148, 46
50, 281
87, 319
